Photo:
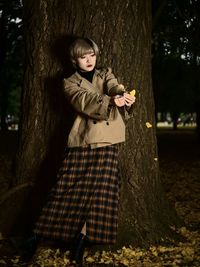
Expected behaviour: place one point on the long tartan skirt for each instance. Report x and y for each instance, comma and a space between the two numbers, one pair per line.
87, 191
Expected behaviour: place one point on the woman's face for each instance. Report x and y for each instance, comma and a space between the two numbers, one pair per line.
86, 62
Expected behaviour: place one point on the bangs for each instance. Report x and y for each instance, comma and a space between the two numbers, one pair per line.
81, 51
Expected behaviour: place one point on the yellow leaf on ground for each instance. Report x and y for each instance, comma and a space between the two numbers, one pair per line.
125, 262
66, 260
15, 260
90, 259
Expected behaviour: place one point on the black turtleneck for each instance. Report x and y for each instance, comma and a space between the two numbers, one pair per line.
88, 75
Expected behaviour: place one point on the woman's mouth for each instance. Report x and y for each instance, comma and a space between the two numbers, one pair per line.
88, 66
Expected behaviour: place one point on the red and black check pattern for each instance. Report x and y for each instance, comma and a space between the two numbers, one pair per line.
87, 190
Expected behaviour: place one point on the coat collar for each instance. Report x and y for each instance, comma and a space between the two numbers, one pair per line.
97, 72
82, 82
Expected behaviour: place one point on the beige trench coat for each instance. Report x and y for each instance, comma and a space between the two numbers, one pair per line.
97, 123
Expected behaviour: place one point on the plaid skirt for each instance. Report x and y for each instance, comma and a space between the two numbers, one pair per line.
87, 191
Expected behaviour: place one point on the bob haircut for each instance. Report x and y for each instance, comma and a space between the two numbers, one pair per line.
80, 47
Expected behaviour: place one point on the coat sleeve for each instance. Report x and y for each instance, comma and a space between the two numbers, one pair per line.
112, 85
89, 103
113, 89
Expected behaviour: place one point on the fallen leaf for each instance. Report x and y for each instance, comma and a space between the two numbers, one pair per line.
2, 262
90, 259
15, 260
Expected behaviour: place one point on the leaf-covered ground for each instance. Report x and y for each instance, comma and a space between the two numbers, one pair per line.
179, 158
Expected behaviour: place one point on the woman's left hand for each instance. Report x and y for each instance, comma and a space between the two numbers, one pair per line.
129, 100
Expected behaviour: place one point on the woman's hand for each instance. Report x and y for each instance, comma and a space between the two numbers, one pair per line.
119, 101
129, 100
122, 100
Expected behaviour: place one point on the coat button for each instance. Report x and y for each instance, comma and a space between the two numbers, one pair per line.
94, 122
107, 123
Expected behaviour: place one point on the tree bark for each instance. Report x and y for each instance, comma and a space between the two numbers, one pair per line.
122, 29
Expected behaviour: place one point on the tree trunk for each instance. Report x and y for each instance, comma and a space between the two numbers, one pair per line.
122, 29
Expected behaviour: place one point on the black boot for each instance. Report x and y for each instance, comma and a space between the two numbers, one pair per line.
78, 250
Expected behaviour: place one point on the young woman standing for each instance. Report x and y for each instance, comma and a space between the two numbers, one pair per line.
83, 206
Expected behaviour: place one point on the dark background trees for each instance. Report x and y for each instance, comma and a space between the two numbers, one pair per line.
176, 55
11, 59
123, 32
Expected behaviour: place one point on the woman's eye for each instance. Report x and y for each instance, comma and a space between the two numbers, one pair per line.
82, 57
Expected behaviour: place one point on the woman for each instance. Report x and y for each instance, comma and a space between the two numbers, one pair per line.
84, 203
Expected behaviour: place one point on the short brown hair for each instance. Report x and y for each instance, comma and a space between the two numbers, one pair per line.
80, 47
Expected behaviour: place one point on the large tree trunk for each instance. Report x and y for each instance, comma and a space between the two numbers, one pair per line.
122, 29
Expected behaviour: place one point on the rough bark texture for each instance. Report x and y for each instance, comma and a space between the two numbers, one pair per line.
122, 29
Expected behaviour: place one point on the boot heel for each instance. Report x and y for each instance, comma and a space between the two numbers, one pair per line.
78, 250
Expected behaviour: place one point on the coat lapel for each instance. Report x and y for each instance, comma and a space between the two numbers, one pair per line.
85, 84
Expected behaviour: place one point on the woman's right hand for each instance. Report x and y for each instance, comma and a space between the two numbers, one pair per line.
119, 101
129, 99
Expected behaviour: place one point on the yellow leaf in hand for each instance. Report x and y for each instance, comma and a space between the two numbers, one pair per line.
133, 92
148, 124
